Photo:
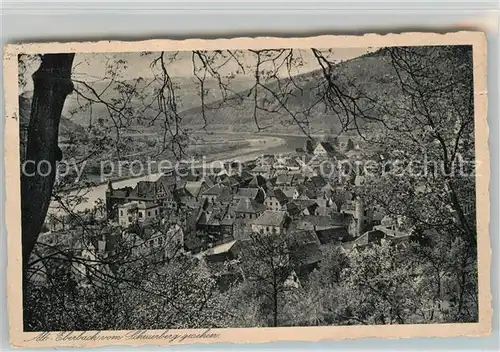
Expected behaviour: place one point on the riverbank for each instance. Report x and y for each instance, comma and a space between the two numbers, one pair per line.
256, 147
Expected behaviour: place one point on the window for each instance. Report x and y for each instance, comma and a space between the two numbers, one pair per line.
149, 213
140, 214
121, 212
129, 219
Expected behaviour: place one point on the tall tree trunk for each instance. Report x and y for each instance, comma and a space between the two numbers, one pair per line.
52, 84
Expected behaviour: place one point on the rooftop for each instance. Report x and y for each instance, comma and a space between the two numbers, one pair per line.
246, 205
271, 218
247, 193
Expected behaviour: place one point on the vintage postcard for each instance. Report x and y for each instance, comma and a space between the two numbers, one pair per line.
247, 190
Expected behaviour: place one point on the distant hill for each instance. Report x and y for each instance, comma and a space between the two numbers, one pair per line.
187, 97
66, 126
373, 72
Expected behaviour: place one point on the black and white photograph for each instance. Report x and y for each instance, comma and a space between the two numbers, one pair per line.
247, 188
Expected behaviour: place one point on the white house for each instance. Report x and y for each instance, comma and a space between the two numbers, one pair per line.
137, 211
270, 222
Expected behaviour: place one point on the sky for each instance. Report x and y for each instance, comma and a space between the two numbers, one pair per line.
93, 66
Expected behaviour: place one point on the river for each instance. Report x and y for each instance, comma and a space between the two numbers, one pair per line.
275, 144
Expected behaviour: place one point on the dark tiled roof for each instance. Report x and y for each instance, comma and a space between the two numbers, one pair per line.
145, 189
304, 190
167, 181
292, 208
247, 193
279, 195
308, 222
334, 234
262, 168
225, 196
213, 191
305, 248
246, 176
317, 181
122, 192
182, 194
257, 181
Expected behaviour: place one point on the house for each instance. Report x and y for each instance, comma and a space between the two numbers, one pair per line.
303, 192
316, 182
284, 179
322, 210
180, 198
367, 239
324, 202
114, 197
165, 243
308, 165
270, 222
289, 192
92, 268
315, 222
354, 154
262, 170
358, 217
248, 209
293, 165
256, 194
137, 212
158, 191
257, 181
324, 149
333, 234
246, 176
210, 220
191, 176
223, 252
392, 227
210, 181
233, 181
227, 229
292, 209
217, 193
275, 200
327, 189
306, 206
195, 188
305, 249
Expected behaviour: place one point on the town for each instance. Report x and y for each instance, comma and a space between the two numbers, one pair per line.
211, 217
